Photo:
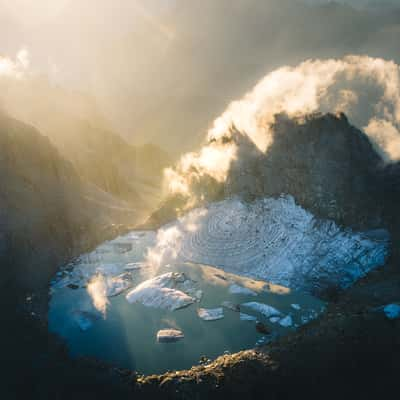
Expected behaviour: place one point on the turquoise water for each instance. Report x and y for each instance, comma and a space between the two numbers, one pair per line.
125, 335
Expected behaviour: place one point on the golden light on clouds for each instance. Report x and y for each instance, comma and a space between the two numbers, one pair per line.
32, 12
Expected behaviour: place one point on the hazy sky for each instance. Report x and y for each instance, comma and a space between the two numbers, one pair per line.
162, 70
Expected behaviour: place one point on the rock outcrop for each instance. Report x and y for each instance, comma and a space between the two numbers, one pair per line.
330, 168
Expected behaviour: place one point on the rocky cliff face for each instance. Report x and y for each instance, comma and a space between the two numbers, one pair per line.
329, 166
47, 212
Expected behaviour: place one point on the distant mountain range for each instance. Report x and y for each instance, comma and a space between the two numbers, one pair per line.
75, 126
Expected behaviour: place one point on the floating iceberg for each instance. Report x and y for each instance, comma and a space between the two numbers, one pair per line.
161, 292
210, 314
117, 285
264, 309
169, 335
296, 306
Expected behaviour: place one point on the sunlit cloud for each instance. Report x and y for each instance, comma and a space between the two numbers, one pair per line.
366, 89
15, 69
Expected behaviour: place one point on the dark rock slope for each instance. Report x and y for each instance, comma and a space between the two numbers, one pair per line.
47, 213
329, 166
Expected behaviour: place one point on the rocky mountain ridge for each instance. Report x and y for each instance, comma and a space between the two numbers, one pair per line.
330, 167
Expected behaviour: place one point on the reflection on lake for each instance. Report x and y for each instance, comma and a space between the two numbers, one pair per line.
209, 311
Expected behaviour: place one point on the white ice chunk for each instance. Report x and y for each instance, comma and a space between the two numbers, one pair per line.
157, 293
210, 314
118, 284
237, 289
296, 306
265, 309
169, 335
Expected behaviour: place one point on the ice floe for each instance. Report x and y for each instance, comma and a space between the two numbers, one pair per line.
169, 335
210, 314
266, 310
161, 292
118, 284
296, 306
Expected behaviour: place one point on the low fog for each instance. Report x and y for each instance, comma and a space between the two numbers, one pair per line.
161, 71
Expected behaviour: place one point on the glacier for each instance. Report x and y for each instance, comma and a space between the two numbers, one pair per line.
273, 239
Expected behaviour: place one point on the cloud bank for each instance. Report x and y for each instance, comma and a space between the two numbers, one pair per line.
17, 68
367, 89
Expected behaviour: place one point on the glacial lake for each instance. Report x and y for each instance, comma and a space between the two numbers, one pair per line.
125, 334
